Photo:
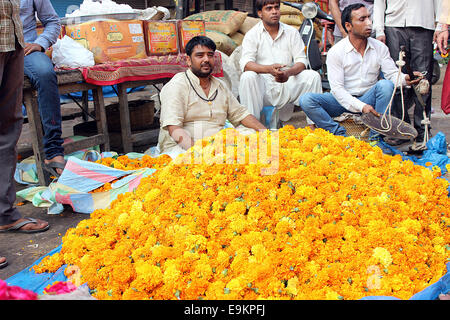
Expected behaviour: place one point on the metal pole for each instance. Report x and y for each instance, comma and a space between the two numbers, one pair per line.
179, 9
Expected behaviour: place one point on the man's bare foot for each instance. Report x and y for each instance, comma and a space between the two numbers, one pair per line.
444, 296
27, 225
58, 159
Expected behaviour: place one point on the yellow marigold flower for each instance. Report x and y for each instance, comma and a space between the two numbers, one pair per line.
236, 285
216, 223
152, 194
291, 287
333, 295
383, 256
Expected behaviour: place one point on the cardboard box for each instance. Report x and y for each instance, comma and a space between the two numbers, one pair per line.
161, 37
110, 40
187, 29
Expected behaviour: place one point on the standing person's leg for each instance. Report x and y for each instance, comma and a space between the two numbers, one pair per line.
395, 38
8, 213
251, 92
422, 60
11, 86
321, 109
39, 68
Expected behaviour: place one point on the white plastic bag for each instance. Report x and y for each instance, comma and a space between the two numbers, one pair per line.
69, 53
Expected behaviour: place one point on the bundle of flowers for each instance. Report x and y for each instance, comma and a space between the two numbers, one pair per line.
294, 214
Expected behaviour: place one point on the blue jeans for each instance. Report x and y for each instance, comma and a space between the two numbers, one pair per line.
322, 108
39, 68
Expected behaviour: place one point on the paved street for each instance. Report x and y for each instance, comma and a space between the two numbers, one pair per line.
22, 250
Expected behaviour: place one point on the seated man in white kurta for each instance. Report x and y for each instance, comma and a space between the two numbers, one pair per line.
274, 64
195, 104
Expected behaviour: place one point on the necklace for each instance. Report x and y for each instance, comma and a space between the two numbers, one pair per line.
207, 100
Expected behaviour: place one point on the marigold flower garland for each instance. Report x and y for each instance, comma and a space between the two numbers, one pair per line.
337, 219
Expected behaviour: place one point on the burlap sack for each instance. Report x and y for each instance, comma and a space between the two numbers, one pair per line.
285, 9
223, 42
248, 23
225, 21
237, 37
292, 19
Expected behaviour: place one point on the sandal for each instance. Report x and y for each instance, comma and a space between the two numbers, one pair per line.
3, 264
52, 166
17, 226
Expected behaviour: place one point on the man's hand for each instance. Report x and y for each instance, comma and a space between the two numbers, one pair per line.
369, 109
284, 73
181, 136
275, 69
442, 40
32, 47
409, 82
382, 39
282, 76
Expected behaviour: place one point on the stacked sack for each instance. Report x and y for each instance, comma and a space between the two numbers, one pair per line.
225, 27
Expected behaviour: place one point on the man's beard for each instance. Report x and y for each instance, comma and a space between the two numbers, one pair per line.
201, 74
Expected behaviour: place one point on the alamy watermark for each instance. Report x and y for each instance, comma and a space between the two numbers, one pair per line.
227, 147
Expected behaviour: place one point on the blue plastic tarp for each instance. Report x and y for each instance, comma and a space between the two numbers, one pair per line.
37, 282
108, 92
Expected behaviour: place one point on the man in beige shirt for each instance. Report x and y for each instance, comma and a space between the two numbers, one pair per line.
195, 104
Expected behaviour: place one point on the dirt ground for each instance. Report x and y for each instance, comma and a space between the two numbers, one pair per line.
22, 250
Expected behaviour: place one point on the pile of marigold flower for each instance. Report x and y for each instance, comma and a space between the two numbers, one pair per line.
319, 217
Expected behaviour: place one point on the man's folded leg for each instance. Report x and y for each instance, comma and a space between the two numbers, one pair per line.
321, 108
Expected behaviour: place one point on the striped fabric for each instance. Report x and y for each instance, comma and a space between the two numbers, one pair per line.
80, 177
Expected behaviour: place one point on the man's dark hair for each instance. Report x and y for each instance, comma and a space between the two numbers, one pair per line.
347, 13
259, 4
199, 41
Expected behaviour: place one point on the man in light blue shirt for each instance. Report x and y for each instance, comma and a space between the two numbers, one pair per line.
39, 69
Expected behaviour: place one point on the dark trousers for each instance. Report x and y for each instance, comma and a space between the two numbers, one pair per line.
419, 46
11, 119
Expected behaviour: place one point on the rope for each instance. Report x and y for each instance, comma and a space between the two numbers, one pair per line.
387, 125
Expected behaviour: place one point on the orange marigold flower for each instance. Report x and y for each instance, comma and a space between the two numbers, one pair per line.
293, 214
